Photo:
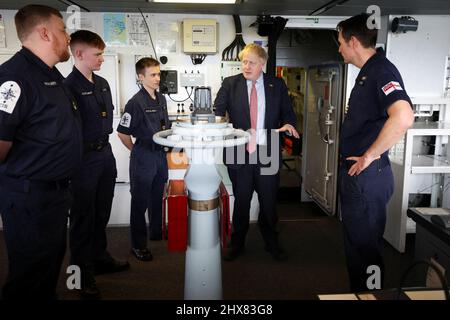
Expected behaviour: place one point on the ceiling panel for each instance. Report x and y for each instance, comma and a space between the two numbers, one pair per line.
253, 7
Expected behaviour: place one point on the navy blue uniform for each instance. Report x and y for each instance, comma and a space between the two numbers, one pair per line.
93, 184
364, 197
39, 115
142, 118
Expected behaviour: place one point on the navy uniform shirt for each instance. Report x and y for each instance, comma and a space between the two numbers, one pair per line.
377, 87
95, 105
39, 115
144, 116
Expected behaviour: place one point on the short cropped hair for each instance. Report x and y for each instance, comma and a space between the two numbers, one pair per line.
255, 48
356, 26
144, 63
28, 17
86, 37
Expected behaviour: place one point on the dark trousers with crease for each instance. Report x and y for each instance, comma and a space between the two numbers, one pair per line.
246, 179
148, 175
93, 192
35, 231
363, 200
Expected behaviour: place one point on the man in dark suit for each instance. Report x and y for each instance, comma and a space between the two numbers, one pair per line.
259, 103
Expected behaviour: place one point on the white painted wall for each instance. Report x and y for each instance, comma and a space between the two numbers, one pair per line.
178, 60
420, 55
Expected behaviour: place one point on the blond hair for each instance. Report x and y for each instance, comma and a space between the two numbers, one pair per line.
256, 49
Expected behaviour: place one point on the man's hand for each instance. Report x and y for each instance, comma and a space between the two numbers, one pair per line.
290, 129
5, 146
126, 140
401, 117
360, 164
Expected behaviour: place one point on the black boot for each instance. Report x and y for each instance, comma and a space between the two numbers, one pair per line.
89, 289
110, 265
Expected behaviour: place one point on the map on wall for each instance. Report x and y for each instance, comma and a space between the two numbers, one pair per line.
114, 29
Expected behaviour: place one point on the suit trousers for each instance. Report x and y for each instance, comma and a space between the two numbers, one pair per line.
246, 179
363, 200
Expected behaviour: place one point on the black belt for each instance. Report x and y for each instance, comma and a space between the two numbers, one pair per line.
96, 145
149, 145
25, 185
380, 163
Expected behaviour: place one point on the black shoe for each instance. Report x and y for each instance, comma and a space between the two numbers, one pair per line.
277, 253
142, 254
90, 292
231, 253
110, 266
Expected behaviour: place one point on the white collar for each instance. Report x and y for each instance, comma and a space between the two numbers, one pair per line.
258, 81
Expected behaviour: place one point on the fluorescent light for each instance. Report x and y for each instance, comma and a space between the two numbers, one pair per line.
196, 1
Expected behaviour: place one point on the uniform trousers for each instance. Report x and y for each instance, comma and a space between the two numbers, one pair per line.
34, 216
363, 200
93, 192
148, 175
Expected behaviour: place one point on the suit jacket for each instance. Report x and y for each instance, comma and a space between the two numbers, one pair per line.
233, 99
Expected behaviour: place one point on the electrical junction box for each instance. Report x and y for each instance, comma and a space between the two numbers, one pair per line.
168, 83
200, 36
192, 79
230, 68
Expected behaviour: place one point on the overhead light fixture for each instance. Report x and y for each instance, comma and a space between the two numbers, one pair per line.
327, 7
197, 1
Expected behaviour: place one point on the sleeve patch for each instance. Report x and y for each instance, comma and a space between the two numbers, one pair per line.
126, 120
9, 95
391, 86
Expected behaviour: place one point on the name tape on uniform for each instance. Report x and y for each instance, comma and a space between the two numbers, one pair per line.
126, 120
51, 83
9, 95
391, 86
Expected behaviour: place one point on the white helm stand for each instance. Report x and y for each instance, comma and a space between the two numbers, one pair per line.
203, 272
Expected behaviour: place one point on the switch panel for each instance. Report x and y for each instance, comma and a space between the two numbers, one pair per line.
230, 68
192, 79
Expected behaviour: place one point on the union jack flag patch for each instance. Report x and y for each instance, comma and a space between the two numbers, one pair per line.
391, 86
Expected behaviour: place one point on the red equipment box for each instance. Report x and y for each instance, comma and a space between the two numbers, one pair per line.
175, 205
